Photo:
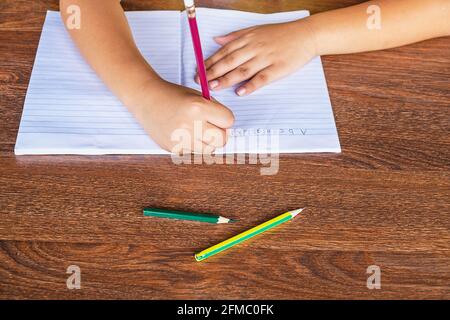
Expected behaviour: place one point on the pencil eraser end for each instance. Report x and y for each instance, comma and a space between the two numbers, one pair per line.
188, 3
199, 257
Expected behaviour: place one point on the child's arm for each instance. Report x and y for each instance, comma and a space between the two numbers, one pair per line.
105, 40
266, 53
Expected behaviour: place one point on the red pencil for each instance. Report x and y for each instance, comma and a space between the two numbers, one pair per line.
190, 9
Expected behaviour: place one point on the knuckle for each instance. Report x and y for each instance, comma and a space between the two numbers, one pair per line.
225, 80
243, 71
209, 75
262, 78
224, 51
230, 59
212, 71
195, 110
259, 44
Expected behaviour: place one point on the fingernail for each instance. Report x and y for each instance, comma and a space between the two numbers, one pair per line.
213, 84
241, 91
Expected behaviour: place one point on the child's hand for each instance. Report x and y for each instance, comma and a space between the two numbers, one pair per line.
262, 54
163, 109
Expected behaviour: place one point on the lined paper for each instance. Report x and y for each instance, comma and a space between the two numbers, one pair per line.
68, 110
298, 107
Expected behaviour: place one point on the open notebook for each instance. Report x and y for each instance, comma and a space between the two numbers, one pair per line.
68, 110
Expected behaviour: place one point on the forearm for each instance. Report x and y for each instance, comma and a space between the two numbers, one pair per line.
402, 22
105, 40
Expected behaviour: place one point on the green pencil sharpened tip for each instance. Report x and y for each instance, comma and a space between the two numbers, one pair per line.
233, 220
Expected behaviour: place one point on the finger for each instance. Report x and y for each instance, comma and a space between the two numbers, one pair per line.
214, 136
201, 147
238, 75
220, 54
228, 44
192, 141
218, 115
229, 63
262, 78
222, 40
224, 51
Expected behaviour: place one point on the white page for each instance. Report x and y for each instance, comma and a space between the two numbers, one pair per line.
297, 107
68, 109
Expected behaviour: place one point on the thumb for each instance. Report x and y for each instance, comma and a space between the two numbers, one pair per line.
219, 115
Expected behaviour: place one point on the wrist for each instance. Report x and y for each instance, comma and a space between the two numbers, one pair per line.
143, 83
304, 35
145, 95
310, 26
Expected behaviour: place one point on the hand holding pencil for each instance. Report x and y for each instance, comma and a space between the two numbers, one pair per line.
174, 107
189, 109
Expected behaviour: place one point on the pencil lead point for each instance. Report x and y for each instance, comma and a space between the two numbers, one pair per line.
225, 220
294, 213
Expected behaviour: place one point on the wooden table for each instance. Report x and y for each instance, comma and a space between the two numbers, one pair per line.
384, 201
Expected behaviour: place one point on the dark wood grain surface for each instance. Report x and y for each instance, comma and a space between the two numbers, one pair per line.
384, 201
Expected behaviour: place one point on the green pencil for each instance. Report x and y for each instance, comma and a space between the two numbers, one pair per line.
181, 215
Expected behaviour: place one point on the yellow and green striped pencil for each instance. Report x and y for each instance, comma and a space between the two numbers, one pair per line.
246, 235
